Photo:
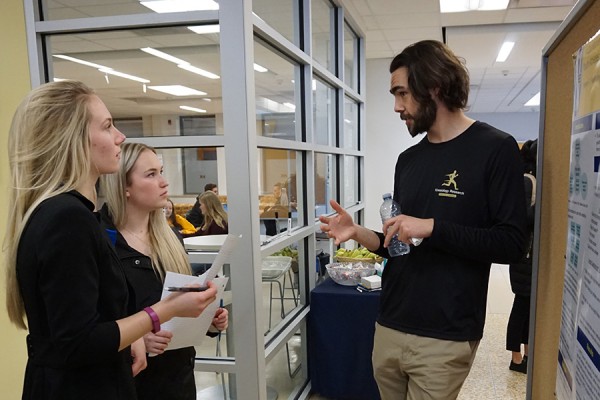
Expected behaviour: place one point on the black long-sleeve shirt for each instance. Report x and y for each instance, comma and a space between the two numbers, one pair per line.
74, 290
472, 187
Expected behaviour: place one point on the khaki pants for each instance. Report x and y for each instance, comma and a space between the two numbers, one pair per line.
419, 368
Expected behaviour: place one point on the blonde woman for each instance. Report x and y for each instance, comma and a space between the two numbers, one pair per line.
64, 282
148, 248
215, 217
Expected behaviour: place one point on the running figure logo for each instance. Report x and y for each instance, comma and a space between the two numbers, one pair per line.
451, 180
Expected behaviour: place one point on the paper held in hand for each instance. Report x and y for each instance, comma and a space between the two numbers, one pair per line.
191, 331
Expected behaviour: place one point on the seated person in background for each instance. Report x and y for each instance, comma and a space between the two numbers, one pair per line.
195, 214
179, 223
280, 209
215, 217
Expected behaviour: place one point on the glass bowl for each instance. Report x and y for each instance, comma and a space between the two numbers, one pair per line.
349, 274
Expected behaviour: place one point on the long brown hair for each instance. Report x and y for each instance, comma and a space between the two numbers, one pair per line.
432, 66
214, 210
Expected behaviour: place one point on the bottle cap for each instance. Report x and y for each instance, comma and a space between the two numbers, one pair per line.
387, 196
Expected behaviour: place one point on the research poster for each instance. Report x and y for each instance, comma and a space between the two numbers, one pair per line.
578, 371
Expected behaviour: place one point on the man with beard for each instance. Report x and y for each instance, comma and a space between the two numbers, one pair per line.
461, 190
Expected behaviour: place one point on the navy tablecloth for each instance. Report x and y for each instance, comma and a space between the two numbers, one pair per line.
341, 325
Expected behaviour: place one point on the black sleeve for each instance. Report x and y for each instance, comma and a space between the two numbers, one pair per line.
69, 249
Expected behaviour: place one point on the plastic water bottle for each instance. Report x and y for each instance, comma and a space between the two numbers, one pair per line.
390, 209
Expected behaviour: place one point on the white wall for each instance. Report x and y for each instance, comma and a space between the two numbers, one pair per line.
387, 136
523, 125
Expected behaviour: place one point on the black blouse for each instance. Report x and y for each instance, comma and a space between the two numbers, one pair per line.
74, 290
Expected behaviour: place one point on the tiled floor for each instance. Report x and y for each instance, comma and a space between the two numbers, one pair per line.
490, 378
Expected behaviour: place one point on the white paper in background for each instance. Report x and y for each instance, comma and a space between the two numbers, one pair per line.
224, 254
191, 331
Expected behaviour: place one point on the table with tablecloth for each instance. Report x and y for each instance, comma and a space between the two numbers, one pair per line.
341, 325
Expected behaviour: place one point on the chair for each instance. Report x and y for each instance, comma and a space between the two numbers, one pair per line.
273, 268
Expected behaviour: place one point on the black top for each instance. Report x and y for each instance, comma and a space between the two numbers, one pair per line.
194, 215
520, 272
169, 376
74, 290
472, 186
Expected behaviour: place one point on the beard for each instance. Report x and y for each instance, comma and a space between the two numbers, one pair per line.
423, 118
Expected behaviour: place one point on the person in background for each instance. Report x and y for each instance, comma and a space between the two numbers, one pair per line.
148, 249
517, 330
176, 221
194, 215
460, 189
215, 217
280, 209
63, 277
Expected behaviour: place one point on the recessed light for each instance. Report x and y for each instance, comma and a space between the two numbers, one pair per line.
451, 6
203, 29
79, 61
123, 75
534, 101
199, 71
177, 90
505, 51
163, 55
198, 110
168, 6
259, 68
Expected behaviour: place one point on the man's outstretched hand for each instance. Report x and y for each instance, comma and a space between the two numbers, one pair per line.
340, 227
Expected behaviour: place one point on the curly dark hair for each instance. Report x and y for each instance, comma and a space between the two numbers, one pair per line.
432, 66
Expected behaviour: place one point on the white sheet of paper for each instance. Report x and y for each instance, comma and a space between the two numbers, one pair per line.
224, 254
191, 331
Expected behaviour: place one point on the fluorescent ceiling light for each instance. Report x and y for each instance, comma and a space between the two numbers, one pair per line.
177, 90
504, 51
163, 55
199, 110
168, 6
123, 75
198, 71
78, 61
534, 101
259, 68
102, 68
290, 105
450, 6
202, 29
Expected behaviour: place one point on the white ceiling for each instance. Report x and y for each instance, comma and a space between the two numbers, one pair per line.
476, 36
389, 26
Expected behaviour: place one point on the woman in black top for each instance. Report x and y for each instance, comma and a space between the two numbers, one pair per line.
63, 276
148, 248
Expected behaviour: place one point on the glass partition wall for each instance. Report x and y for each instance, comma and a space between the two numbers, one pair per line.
258, 97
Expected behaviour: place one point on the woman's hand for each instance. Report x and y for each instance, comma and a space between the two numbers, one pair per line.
221, 319
188, 304
157, 343
138, 353
339, 227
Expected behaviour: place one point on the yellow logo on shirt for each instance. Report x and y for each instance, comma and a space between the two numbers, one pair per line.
451, 184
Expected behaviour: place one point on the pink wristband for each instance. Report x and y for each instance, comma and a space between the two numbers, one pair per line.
154, 318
